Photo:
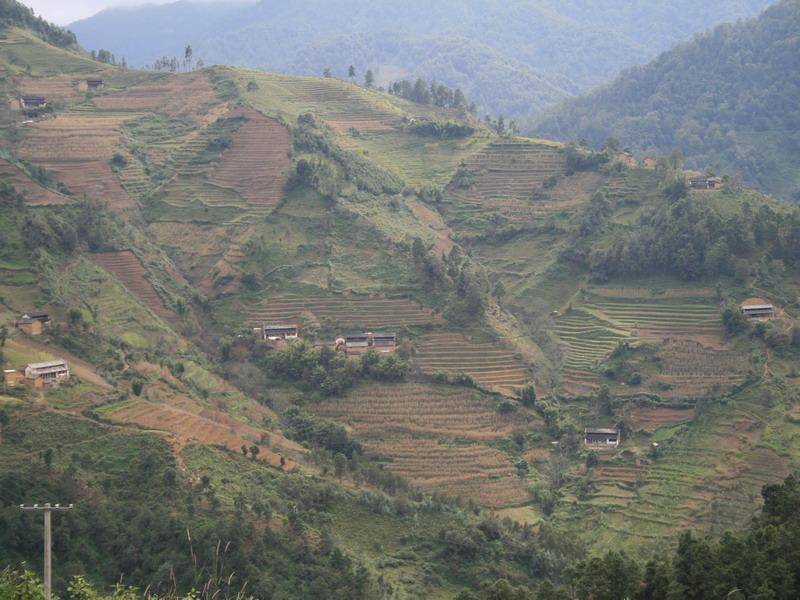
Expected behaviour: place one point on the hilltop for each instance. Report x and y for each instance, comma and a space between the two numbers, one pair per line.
725, 99
507, 57
536, 289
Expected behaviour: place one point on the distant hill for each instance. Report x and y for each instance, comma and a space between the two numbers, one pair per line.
508, 57
13, 13
727, 99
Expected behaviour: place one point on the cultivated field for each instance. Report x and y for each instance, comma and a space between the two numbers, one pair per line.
207, 427
35, 194
342, 105
588, 338
491, 366
128, 269
344, 311
257, 165
415, 408
692, 369
650, 418
505, 176
63, 88
77, 147
475, 472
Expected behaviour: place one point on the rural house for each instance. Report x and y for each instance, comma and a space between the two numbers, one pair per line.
705, 183
94, 83
601, 437
33, 323
355, 344
757, 310
13, 377
33, 102
279, 332
47, 373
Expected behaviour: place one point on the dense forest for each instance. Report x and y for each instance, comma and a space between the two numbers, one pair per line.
727, 99
508, 58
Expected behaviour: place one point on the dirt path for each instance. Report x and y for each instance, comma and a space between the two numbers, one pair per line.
77, 366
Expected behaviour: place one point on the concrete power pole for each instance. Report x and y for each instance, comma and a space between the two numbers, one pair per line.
48, 542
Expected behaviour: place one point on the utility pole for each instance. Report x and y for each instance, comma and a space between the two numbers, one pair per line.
48, 541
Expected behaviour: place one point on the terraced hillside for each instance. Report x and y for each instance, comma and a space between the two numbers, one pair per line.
342, 105
588, 338
477, 472
418, 409
710, 475
127, 267
656, 319
257, 165
77, 147
35, 193
60, 89
490, 365
343, 311
207, 427
691, 369
504, 176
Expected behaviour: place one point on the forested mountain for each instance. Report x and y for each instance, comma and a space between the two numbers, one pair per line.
509, 57
727, 99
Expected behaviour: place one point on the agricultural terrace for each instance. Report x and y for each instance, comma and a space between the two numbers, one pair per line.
22, 51
475, 472
60, 89
655, 319
344, 311
650, 418
342, 105
709, 476
130, 272
491, 366
691, 369
77, 147
504, 176
588, 338
185, 95
257, 165
415, 408
207, 427
421, 161
35, 193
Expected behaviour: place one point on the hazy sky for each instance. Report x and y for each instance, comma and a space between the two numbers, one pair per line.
63, 12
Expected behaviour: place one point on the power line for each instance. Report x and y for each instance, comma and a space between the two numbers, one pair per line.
47, 508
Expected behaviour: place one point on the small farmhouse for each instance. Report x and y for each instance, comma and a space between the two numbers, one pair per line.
355, 344
46, 373
705, 183
33, 323
33, 102
279, 332
94, 83
601, 437
757, 310
384, 342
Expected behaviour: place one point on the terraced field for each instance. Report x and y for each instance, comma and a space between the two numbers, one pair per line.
179, 95
128, 269
342, 105
35, 194
63, 88
692, 369
505, 176
490, 365
476, 472
257, 165
207, 426
415, 408
709, 477
77, 147
657, 319
343, 311
650, 418
588, 338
